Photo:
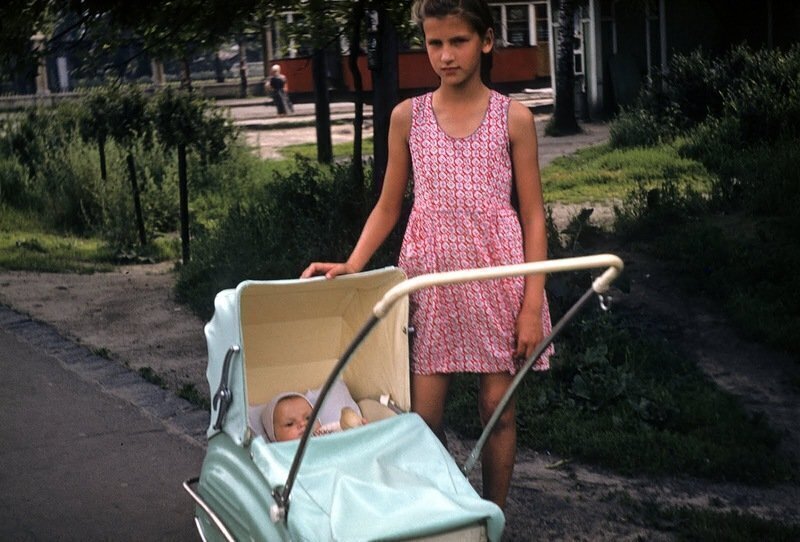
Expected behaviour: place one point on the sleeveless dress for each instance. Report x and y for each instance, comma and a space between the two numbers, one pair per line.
462, 218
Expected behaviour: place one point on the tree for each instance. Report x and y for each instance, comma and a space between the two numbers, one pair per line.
21, 19
563, 121
94, 124
129, 123
385, 89
358, 86
184, 122
119, 113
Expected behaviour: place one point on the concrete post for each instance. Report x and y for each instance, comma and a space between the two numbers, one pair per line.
42, 87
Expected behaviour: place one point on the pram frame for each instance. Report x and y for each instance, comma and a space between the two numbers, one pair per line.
600, 285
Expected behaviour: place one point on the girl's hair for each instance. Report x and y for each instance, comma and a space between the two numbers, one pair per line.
475, 12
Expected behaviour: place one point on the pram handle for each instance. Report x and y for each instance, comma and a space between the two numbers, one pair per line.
600, 284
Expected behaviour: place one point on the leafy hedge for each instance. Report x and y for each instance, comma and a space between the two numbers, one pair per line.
310, 213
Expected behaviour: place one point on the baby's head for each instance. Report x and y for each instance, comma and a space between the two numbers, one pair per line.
286, 416
276, 69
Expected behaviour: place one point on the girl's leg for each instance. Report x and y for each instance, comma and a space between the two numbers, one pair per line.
500, 450
428, 393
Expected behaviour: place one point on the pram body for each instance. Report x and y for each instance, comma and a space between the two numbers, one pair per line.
388, 480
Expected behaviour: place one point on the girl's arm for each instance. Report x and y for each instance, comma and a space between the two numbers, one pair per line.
525, 163
385, 214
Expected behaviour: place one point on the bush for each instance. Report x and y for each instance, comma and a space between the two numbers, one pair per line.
15, 184
758, 90
50, 162
311, 213
637, 127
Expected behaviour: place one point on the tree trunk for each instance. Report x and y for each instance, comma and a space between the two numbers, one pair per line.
322, 107
137, 201
385, 94
563, 121
183, 187
186, 73
219, 73
101, 149
242, 68
358, 85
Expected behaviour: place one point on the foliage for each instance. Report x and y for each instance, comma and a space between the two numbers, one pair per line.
624, 400
46, 167
313, 212
321, 24
756, 92
183, 118
739, 116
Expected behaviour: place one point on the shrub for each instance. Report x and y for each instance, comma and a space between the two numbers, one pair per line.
311, 213
758, 90
637, 127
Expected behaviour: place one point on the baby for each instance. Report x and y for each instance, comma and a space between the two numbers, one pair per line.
287, 415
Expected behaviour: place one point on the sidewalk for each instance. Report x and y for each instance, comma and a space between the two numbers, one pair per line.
90, 450
259, 113
267, 132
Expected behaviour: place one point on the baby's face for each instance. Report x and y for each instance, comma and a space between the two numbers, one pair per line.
290, 418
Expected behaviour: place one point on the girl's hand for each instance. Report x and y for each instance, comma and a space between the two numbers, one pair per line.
329, 269
528, 333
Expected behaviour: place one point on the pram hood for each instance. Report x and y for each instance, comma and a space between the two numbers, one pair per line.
289, 335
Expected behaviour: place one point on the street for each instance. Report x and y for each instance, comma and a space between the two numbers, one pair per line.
80, 463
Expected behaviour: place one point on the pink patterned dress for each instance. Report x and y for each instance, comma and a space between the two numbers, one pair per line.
462, 218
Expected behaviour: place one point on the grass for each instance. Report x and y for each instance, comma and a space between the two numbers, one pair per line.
26, 245
601, 173
635, 405
340, 150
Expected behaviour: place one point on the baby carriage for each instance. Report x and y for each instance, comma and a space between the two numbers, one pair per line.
390, 479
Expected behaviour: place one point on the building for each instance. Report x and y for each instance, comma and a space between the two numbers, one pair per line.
618, 43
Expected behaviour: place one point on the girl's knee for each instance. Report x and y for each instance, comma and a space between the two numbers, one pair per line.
487, 407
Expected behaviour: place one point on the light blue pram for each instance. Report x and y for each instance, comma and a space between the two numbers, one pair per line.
390, 479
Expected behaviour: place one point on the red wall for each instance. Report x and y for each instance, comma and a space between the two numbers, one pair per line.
511, 65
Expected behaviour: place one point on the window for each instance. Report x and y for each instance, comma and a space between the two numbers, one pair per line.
518, 25
515, 24
542, 23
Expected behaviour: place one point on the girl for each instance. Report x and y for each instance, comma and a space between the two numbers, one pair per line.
466, 146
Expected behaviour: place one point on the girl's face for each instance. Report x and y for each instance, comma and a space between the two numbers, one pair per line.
290, 418
455, 48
